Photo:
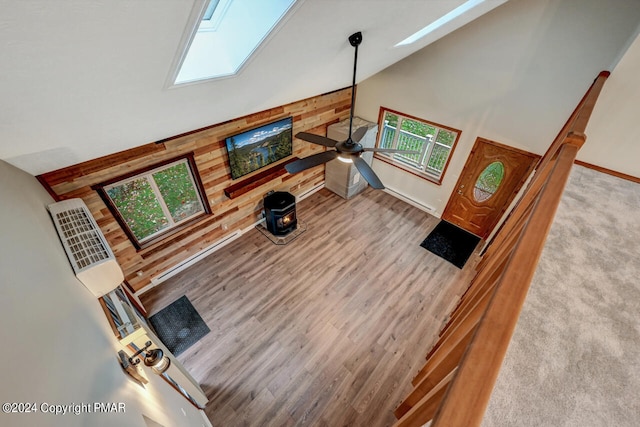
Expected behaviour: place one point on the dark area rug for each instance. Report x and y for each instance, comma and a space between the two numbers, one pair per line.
179, 325
451, 243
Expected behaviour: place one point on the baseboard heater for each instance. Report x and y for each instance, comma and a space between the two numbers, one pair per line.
410, 201
209, 250
193, 259
309, 192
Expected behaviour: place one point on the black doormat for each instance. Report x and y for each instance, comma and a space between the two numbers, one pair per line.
451, 243
179, 325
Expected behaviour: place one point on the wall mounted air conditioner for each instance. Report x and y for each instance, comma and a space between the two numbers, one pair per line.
87, 249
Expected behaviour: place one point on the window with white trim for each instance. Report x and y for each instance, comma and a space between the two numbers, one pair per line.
157, 201
433, 141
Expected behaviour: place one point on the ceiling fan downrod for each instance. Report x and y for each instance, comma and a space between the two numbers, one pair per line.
355, 40
348, 149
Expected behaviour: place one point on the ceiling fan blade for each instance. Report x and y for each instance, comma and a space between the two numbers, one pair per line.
359, 133
316, 139
311, 161
390, 150
367, 173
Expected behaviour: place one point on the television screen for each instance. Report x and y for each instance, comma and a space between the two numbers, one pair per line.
256, 148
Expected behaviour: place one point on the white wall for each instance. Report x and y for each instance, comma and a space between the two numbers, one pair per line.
57, 347
614, 128
513, 76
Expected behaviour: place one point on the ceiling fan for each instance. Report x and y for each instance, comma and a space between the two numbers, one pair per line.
348, 150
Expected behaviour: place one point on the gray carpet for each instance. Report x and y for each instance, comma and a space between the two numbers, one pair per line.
575, 356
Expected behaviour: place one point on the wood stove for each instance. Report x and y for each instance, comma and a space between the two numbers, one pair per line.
280, 213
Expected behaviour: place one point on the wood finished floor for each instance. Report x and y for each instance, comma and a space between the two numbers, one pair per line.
328, 330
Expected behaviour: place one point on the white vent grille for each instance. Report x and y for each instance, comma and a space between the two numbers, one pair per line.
85, 244
87, 249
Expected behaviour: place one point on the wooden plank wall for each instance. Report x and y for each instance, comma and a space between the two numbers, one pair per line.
207, 144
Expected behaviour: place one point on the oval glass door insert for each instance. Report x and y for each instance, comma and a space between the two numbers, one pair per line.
488, 182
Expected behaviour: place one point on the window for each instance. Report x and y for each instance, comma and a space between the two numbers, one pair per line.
208, 13
434, 142
488, 182
226, 35
466, 8
156, 202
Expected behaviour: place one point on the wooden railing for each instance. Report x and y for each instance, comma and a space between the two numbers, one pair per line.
454, 386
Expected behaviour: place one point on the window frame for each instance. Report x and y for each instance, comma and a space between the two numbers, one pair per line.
218, 37
139, 173
419, 169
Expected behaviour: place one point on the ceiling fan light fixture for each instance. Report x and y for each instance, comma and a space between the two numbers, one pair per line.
348, 151
345, 159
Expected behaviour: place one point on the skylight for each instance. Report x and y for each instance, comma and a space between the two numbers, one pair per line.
460, 10
208, 13
228, 33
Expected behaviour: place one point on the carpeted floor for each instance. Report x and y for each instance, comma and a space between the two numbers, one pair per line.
574, 359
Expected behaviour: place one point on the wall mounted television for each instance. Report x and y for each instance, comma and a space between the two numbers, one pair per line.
259, 147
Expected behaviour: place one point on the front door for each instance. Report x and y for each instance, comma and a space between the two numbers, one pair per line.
488, 183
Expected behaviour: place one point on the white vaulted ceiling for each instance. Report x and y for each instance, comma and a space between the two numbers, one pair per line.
82, 79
